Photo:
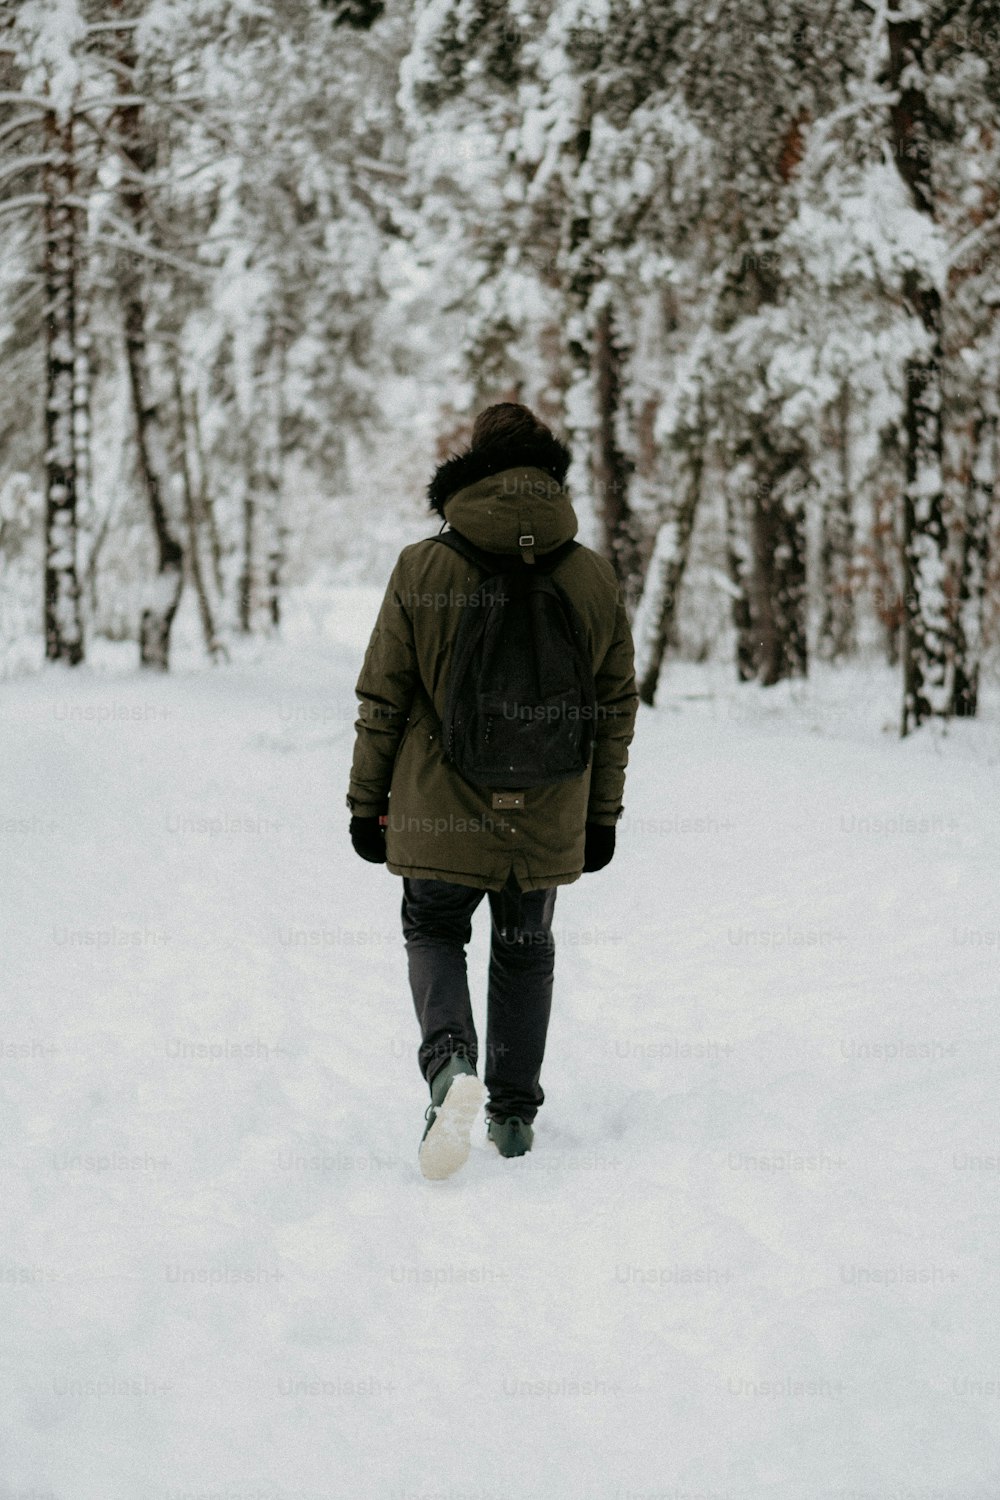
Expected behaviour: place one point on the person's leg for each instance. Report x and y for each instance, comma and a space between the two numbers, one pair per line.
522, 960
437, 925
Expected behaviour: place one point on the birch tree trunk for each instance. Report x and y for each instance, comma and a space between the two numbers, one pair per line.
206, 614
63, 624
980, 498
928, 650
164, 595
657, 610
86, 515
836, 560
263, 528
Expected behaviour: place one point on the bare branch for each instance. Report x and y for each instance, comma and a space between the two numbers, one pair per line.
26, 359
113, 141
876, 41
819, 136
161, 101
34, 292
147, 252
14, 125
39, 101
176, 104
26, 200
971, 240
124, 70
114, 101
384, 168
24, 163
93, 26
938, 23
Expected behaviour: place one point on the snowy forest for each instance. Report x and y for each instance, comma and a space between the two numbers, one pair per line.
264, 265
265, 259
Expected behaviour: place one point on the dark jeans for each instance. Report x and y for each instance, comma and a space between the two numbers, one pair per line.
437, 925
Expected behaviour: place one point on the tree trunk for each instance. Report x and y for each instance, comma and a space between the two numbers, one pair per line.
779, 567
928, 649
777, 519
790, 598
928, 660
275, 565
203, 497
272, 474
738, 564
837, 623
63, 625
86, 513
610, 468
248, 572
213, 645
578, 282
594, 385
97, 541
979, 501
885, 550
657, 610
263, 530
164, 595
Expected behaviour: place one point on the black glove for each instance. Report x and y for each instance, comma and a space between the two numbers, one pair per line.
368, 838
599, 848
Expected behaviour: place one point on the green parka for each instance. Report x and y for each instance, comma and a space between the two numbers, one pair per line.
440, 826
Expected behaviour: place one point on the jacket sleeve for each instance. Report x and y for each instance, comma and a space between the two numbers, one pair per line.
386, 686
617, 705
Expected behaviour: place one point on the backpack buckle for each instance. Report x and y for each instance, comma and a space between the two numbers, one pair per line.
526, 543
507, 801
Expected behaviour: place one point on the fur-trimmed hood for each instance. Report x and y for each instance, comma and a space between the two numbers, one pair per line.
543, 452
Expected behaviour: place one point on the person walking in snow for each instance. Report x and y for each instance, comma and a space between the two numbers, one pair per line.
497, 705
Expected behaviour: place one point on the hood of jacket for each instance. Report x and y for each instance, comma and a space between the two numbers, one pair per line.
500, 491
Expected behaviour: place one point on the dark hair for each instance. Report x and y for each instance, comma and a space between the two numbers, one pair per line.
504, 436
506, 421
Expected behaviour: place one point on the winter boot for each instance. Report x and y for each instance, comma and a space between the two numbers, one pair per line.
512, 1137
456, 1094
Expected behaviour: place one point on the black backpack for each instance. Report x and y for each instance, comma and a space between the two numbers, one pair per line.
520, 704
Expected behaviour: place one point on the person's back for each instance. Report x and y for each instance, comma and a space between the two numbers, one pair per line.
451, 839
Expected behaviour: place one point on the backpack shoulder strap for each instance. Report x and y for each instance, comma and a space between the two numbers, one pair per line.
547, 561
504, 562
490, 561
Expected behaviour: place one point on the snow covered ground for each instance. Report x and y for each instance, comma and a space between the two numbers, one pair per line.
755, 1251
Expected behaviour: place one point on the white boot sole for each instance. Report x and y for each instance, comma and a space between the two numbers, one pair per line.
446, 1145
